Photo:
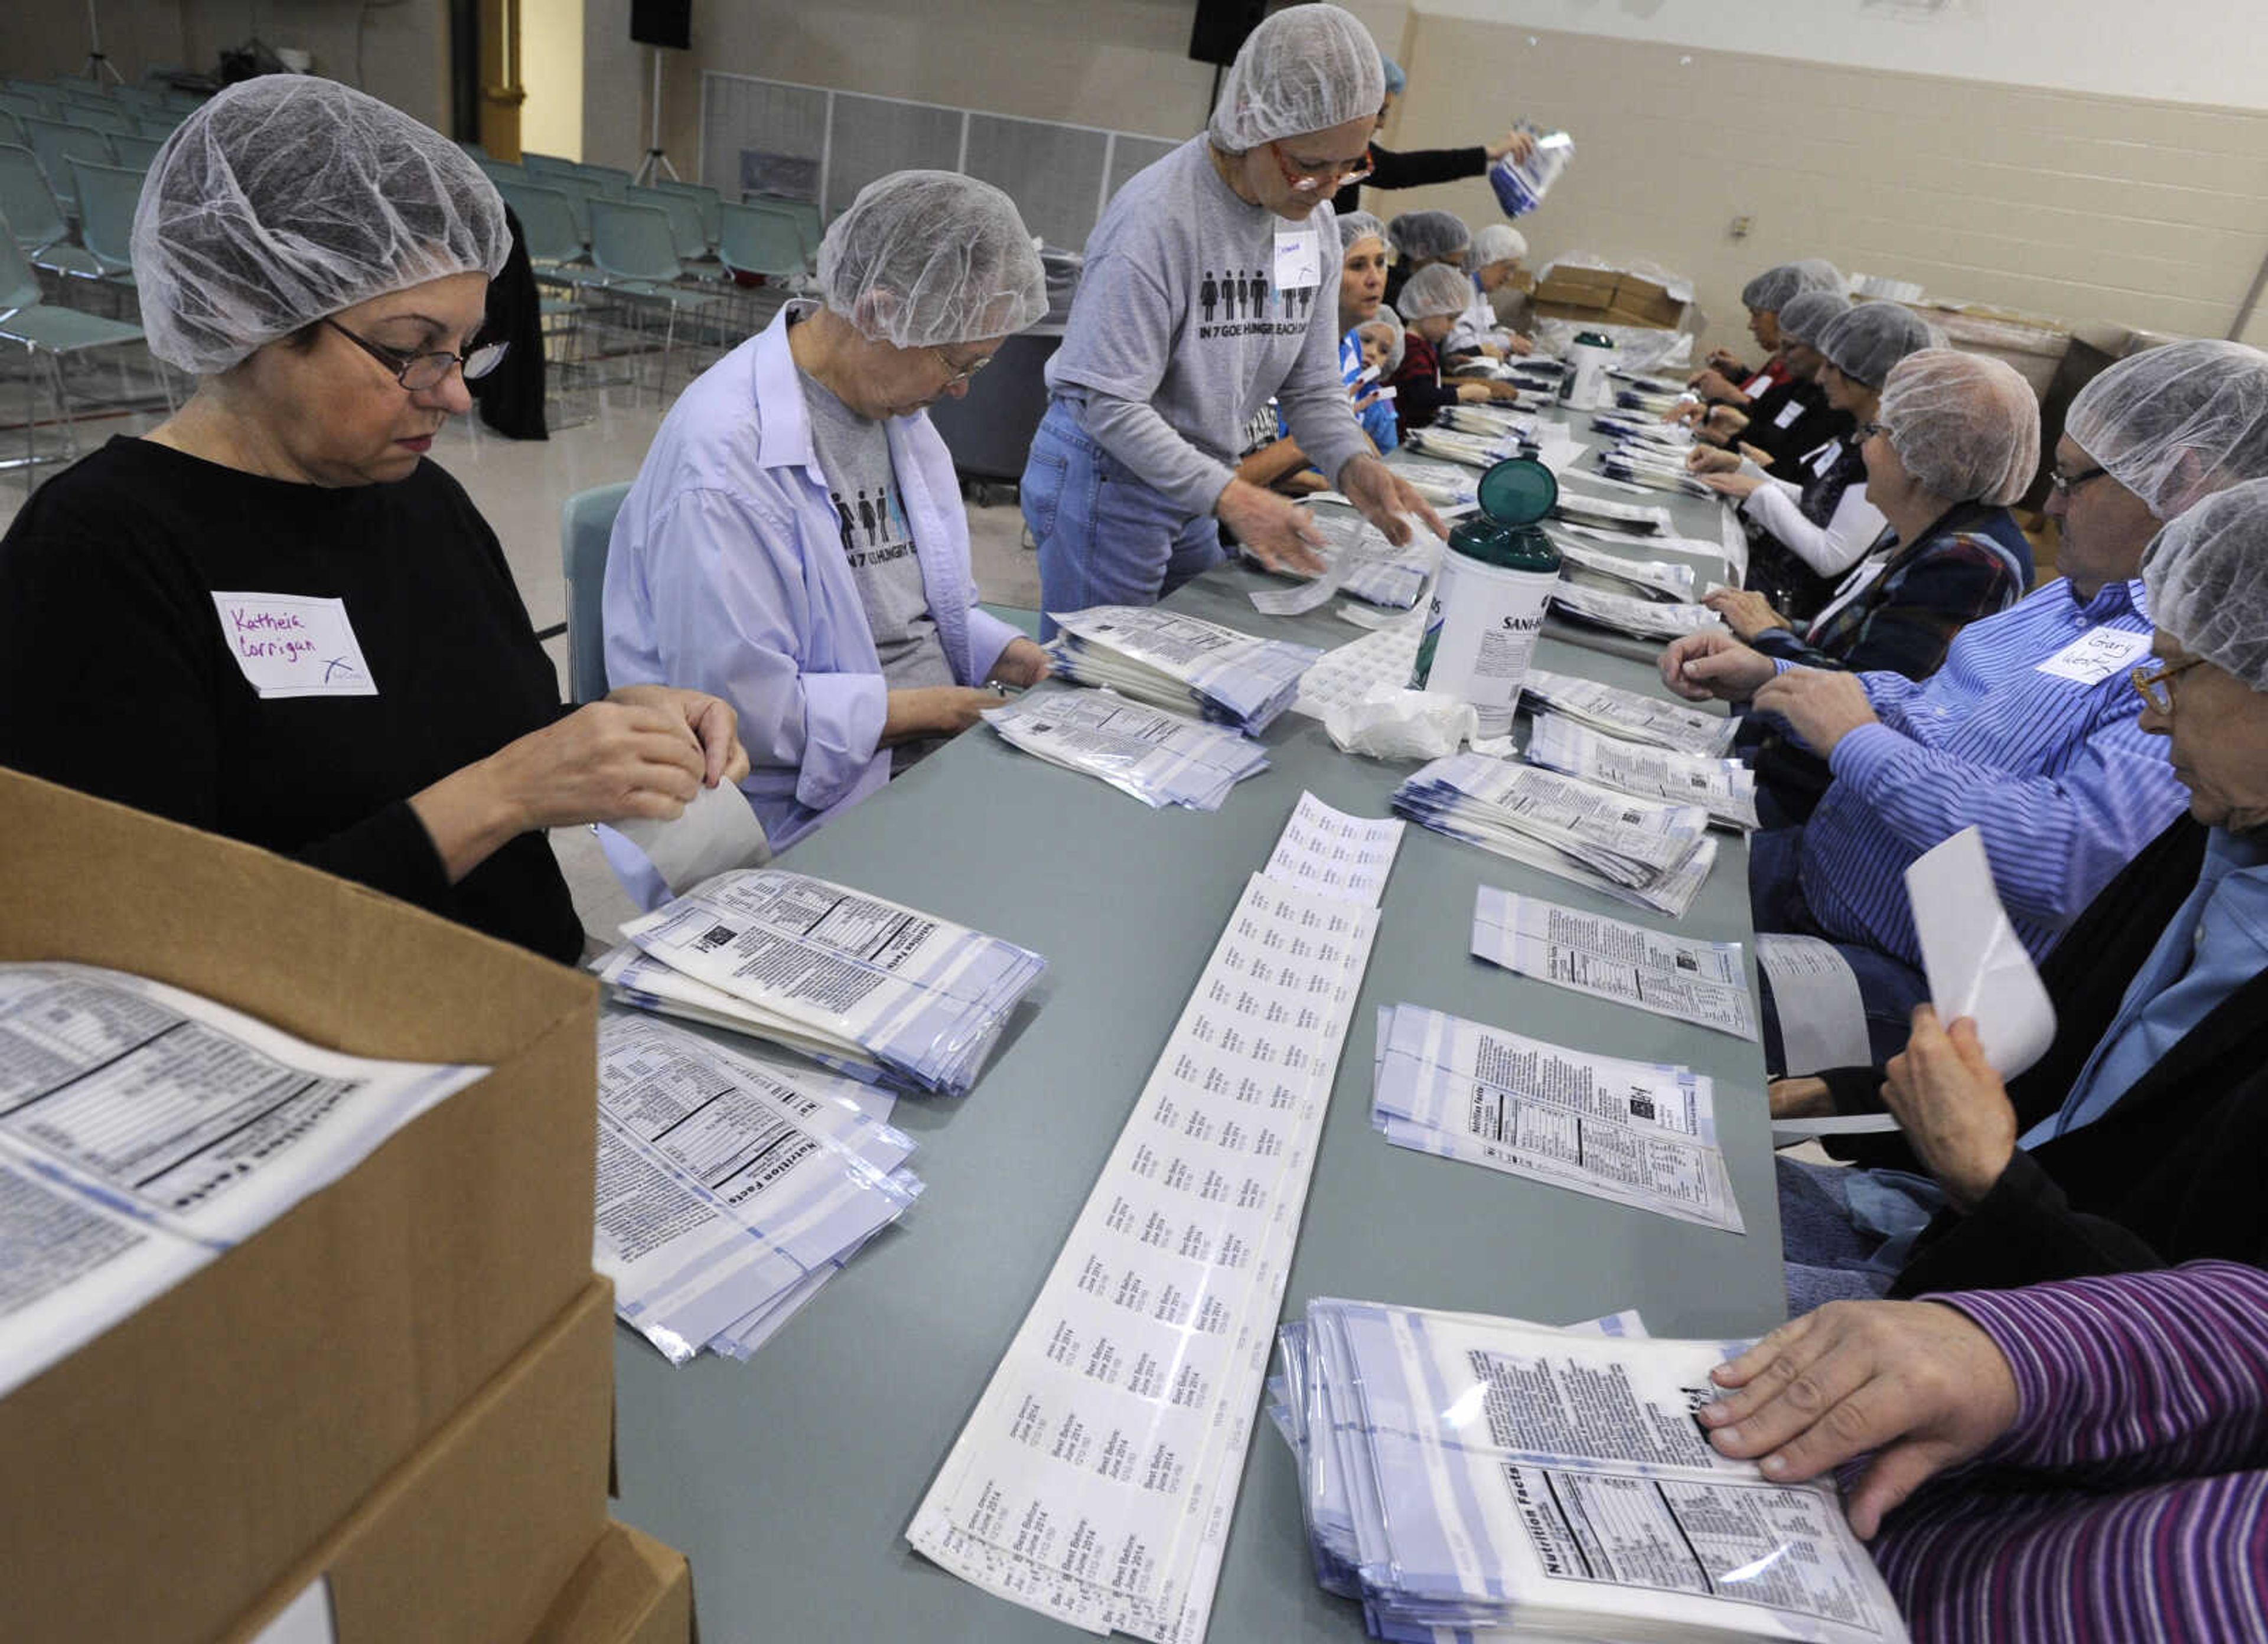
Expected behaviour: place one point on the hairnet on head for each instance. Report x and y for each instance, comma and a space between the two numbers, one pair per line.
1354, 225
1806, 314
1307, 68
1816, 274
1435, 289
1428, 234
1772, 289
2207, 578
287, 198
2174, 423
925, 258
1394, 78
1392, 321
1498, 242
1967, 427
1864, 343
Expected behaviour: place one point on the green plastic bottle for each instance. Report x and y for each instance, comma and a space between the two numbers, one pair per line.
1497, 576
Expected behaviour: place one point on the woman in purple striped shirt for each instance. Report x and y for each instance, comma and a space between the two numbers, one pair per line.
2111, 1435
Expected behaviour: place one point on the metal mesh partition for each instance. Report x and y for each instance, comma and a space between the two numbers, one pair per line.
1054, 173
810, 143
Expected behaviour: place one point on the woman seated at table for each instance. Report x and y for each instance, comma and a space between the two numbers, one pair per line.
1792, 417
1956, 440
1430, 305
1808, 527
270, 616
795, 539
1422, 239
1725, 380
1361, 294
1496, 253
2136, 1140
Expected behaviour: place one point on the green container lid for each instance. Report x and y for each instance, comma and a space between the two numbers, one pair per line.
1514, 494
1593, 339
1518, 491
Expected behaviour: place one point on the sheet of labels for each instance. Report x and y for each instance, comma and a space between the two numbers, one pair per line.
1096, 1479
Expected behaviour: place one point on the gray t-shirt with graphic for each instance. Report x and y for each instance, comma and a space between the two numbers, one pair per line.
1194, 308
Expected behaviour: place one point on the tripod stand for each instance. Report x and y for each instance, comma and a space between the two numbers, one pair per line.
97, 65
657, 159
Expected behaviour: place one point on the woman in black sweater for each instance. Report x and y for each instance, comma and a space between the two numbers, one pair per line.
270, 616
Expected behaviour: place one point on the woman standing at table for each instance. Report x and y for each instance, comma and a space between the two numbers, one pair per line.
270, 616
1130, 477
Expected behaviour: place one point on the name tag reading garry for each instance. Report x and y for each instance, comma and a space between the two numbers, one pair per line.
1788, 414
1298, 260
2097, 653
294, 645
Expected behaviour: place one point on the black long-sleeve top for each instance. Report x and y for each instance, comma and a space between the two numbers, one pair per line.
1415, 169
116, 677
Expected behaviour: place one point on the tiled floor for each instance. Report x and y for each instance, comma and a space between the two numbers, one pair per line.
519, 486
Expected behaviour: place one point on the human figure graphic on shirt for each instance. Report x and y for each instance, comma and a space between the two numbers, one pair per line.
842, 512
894, 515
866, 515
1209, 295
1261, 294
1243, 309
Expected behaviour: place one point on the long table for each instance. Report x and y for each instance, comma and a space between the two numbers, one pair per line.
790, 1480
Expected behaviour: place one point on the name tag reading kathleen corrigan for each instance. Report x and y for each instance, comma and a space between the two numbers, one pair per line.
294, 645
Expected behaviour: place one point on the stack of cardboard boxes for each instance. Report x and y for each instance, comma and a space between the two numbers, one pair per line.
391, 1411
1604, 297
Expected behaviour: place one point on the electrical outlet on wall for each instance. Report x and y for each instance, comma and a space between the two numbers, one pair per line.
1740, 227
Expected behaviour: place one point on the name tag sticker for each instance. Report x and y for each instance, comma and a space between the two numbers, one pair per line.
2097, 653
1298, 260
294, 645
1824, 461
1788, 414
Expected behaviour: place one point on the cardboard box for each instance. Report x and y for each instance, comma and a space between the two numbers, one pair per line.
1608, 297
631, 1589
472, 1539
163, 1478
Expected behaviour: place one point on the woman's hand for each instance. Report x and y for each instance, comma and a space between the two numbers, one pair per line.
1913, 1382
1747, 614
1953, 1107
1699, 460
1800, 1097
1276, 531
1709, 665
710, 719
1714, 384
1740, 487
1518, 344
1519, 145
1384, 497
1022, 664
1820, 707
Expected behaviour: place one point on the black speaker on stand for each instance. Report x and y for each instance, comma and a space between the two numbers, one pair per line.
665, 25
1218, 31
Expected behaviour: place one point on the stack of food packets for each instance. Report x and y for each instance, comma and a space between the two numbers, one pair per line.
1182, 661
1620, 519
1666, 581
1628, 714
1625, 429
852, 980
1635, 614
730, 1189
1469, 1476
1726, 789
1159, 757
1360, 561
1653, 855
1640, 463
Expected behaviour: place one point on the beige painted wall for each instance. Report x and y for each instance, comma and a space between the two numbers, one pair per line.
404, 56
2075, 205
1123, 64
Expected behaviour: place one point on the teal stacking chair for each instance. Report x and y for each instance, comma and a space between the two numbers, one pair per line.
108, 195
636, 255
587, 526
134, 153
52, 333
684, 215
57, 145
702, 196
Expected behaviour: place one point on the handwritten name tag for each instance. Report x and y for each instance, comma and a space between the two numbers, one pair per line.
1298, 260
1788, 414
2097, 653
294, 645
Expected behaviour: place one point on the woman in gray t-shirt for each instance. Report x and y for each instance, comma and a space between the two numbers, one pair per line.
1210, 287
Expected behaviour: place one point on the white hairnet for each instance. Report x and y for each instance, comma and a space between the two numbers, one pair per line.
1432, 235
2207, 577
2174, 423
1354, 225
1966, 427
1498, 242
1864, 343
287, 198
1806, 314
925, 258
1435, 289
1307, 68
1771, 291
1392, 321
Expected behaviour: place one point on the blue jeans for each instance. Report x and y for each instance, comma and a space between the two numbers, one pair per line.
1828, 1255
1105, 537
1889, 988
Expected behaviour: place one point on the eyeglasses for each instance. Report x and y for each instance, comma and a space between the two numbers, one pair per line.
1872, 429
2156, 682
2064, 484
418, 373
957, 375
1313, 179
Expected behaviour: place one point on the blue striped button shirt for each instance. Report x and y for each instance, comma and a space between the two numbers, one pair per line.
2057, 775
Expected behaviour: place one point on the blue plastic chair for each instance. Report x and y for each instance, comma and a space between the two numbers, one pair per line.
34, 216
44, 328
684, 215
136, 153
546, 225
587, 526
702, 196
753, 239
108, 195
57, 145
